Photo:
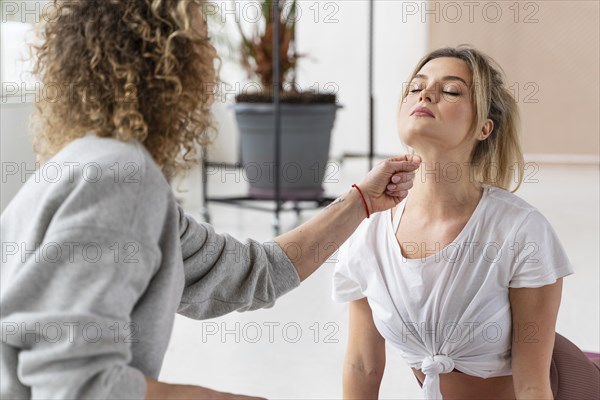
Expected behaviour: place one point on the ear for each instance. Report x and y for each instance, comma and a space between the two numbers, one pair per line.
486, 130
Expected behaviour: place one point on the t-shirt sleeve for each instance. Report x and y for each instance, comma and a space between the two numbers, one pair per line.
346, 285
539, 257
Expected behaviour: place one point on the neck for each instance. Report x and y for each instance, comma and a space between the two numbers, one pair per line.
444, 189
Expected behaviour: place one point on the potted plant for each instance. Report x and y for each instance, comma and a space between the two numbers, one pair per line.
307, 118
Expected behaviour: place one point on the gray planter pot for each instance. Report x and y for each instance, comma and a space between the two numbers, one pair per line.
305, 141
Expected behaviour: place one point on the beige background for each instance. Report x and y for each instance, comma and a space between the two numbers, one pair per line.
553, 61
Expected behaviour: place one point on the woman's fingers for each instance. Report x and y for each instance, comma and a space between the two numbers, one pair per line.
397, 193
403, 183
389, 182
415, 158
403, 177
408, 157
400, 186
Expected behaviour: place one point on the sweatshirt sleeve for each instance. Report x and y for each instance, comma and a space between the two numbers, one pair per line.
66, 314
223, 274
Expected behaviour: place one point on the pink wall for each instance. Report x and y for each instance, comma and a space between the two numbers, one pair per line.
549, 51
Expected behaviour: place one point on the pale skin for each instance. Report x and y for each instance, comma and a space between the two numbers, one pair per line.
309, 245
438, 208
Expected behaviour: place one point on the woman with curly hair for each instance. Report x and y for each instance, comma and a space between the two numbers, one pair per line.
463, 276
97, 255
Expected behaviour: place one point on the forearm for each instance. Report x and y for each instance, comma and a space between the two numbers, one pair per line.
312, 243
156, 390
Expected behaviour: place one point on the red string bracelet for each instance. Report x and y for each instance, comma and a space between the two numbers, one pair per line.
363, 199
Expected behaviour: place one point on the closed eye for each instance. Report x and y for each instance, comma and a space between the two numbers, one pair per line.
450, 93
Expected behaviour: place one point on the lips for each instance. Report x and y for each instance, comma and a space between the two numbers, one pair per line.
423, 111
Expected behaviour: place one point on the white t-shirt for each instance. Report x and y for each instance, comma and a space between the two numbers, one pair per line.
451, 309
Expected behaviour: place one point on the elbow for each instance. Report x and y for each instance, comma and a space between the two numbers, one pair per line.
370, 371
534, 394
541, 392
361, 380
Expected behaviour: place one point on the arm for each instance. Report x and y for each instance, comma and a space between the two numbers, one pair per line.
365, 356
312, 243
309, 245
533, 310
224, 275
162, 391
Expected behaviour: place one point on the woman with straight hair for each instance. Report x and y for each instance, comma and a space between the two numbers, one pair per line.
97, 256
463, 276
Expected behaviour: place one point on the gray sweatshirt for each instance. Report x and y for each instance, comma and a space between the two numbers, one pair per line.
97, 257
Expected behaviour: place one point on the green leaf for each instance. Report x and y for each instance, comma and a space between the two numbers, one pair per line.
291, 18
267, 10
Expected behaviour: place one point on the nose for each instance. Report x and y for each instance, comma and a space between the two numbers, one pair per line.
429, 95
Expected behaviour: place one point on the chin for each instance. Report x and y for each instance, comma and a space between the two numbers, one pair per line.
410, 137
420, 141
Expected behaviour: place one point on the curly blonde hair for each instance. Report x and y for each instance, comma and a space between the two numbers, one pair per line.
497, 160
135, 70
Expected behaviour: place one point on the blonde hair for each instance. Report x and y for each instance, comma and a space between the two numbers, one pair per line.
497, 160
137, 70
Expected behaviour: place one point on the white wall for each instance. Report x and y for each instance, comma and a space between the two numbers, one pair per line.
341, 51
16, 154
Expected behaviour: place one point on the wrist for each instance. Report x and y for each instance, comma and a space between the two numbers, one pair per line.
364, 200
359, 202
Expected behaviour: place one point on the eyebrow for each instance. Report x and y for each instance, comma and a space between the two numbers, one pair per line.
445, 78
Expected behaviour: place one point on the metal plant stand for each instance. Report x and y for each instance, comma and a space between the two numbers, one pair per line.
281, 205
254, 203
247, 201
